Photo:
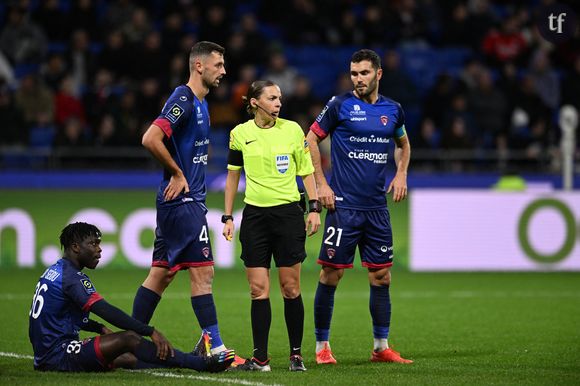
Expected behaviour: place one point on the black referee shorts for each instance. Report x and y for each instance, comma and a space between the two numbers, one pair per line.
277, 230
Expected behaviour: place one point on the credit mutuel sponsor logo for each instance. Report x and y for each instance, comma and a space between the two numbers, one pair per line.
371, 139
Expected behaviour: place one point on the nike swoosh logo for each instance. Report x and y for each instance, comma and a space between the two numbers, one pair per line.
248, 142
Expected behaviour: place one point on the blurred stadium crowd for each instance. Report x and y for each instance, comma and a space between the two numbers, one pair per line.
480, 87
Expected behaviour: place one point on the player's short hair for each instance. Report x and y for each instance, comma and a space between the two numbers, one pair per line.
366, 54
204, 48
76, 233
254, 91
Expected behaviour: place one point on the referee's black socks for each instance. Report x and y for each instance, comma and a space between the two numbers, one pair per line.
261, 314
294, 315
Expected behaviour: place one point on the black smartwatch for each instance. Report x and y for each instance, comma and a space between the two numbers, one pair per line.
314, 206
227, 217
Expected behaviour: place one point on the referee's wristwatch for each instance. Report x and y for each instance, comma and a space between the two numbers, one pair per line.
314, 206
227, 217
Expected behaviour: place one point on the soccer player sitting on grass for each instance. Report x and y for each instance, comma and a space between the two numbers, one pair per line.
60, 308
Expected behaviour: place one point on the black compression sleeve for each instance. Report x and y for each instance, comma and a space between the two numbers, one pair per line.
93, 326
235, 158
120, 319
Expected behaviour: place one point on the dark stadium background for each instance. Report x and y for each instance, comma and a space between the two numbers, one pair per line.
81, 80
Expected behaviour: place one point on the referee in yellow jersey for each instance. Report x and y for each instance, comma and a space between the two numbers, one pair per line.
272, 151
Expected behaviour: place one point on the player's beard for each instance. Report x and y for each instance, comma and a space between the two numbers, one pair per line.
372, 86
211, 83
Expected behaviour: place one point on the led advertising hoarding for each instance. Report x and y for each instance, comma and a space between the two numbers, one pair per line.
477, 230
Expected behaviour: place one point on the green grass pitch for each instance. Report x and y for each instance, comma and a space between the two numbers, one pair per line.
461, 329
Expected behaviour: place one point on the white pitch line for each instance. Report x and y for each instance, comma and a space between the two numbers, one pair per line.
14, 355
234, 381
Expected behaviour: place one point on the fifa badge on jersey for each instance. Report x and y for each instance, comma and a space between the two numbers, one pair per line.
88, 286
174, 113
282, 163
384, 120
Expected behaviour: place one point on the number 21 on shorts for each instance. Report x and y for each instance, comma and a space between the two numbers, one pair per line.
331, 232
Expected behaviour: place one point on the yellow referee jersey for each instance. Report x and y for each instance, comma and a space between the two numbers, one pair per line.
273, 158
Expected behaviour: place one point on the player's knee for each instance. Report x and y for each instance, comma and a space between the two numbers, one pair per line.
258, 290
198, 288
381, 277
290, 290
201, 275
131, 339
159, 279
331, 276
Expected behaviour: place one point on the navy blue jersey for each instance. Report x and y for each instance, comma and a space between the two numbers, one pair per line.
60, 309
361, 134
185, 121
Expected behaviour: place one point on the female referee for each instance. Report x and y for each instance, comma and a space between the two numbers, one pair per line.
272, 151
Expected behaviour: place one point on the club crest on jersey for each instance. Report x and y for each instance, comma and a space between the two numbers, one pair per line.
88, 286
174, 113
282, 163
384, 120
205, 252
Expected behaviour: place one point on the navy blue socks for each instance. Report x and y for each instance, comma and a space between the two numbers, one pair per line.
323, 307
206, 314
380, 307
146, 353
144, 304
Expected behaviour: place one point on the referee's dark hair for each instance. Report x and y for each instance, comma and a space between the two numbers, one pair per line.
254, 91
204, 48
366, 54
76, 233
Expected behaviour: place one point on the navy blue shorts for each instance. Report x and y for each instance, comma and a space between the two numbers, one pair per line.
182, 237
78, 356
345, 229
